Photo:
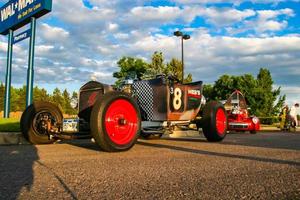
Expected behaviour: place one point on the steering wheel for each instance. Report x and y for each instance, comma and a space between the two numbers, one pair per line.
173, 78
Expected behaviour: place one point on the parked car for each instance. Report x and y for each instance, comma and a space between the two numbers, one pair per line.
238, 115
114, 117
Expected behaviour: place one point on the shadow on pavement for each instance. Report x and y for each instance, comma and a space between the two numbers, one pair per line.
209, 153
275, 140
83, 143
16, 169
64, 185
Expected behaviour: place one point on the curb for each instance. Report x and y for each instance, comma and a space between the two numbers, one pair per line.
177, 134
13, 138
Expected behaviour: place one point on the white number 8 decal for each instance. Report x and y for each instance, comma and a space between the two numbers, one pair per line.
177, 99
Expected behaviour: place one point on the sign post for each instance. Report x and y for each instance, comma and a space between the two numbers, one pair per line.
30, 73
14, 15
8, 74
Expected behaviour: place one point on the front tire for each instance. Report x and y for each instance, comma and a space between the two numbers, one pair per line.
214, 121
115, 122
36, 118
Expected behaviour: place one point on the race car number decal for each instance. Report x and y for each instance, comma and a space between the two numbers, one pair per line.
177, 99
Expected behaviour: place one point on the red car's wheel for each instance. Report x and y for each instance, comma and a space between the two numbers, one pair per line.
221, 123
115, 122
214, 121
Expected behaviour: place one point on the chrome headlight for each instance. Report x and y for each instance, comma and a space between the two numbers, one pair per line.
255, 120
74, 103
203, 100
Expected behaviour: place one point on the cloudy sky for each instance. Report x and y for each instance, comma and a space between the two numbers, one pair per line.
81, 39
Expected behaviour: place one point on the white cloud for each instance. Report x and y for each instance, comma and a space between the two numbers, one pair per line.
53, 34
162, 14
292, 94
77, 42
267, 20
113, 27
77, 14
237, 2
43, 49
227, 16
3, 47
270, 14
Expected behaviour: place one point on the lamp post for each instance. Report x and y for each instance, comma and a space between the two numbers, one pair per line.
183, 37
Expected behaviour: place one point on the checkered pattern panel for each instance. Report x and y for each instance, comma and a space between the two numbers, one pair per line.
144, 93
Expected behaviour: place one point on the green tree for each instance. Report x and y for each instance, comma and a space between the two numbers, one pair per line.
57, 98
223, 87
2, 91
259, 93
174, 68
267, 96
40, 94
208, 91
14, 97
21, 99
145, 70
128, 65
74, 96
67, 102
156, 67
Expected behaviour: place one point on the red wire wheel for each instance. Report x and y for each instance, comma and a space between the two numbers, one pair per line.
115, 121
121, 121
221, 123
214, 121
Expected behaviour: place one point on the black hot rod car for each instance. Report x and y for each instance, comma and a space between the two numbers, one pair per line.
115, 117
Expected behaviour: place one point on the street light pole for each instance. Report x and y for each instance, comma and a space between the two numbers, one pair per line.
182, 60
182, 37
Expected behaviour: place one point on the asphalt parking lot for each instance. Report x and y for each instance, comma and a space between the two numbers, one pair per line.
243, 166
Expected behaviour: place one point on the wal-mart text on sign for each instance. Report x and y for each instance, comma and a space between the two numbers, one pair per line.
17, 13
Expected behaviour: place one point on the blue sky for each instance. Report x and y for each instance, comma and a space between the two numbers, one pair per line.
84, 39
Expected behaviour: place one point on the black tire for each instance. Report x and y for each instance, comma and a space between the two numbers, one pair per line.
22, 121
253, 132
99, 126
209, 122
29, 122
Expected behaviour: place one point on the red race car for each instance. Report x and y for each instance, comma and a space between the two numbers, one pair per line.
238, 116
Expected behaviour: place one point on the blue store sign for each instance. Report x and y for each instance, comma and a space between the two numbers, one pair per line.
22, 36
17, 13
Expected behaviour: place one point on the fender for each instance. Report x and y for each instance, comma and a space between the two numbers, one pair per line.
88, 94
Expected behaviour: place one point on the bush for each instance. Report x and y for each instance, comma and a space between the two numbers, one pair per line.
269, 120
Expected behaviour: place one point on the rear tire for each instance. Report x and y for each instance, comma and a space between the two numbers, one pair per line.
214, 121
115, 122
31, 121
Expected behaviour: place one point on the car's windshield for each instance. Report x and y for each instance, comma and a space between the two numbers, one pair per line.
237, 100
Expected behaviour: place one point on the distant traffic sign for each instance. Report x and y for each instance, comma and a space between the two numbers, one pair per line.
17, 13
22, 36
